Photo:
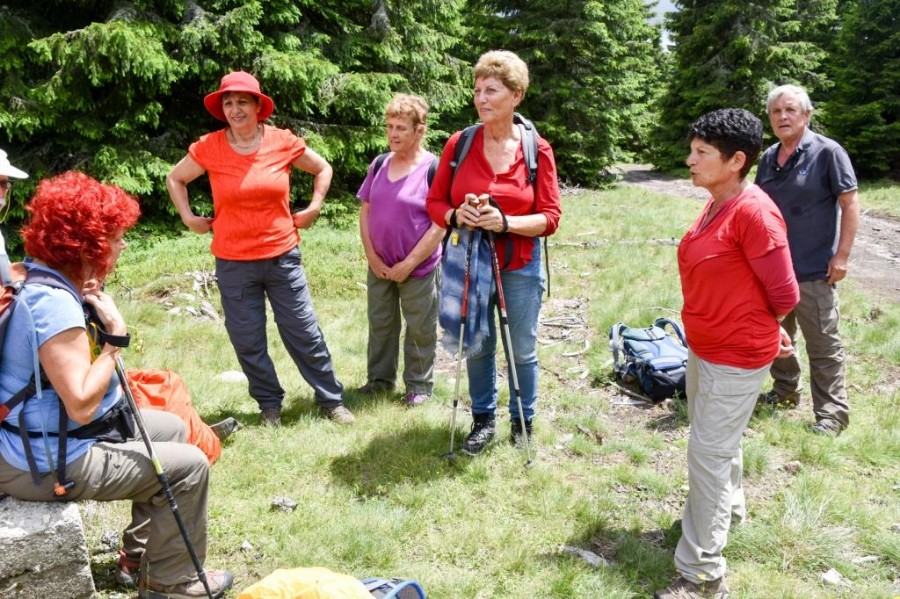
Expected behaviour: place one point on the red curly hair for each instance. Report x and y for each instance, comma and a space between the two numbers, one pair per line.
73, 219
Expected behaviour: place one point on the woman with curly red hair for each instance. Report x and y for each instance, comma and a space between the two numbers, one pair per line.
73, 239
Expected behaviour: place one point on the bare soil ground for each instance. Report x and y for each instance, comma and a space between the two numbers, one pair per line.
874, 264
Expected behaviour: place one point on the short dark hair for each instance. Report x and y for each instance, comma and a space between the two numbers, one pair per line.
731, 130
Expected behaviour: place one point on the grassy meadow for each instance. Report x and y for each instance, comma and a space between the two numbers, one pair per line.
378, 498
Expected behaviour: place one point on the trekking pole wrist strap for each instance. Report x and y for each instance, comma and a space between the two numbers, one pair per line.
116, 340
454, 223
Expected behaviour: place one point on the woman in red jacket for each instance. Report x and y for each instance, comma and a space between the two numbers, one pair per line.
738, 283
520, 213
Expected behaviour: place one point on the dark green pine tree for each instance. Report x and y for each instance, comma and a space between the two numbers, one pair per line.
728, 54
594, 70
864, 112
115, 88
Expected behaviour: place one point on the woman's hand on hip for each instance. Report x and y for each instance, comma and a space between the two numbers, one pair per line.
198, 224
305, 218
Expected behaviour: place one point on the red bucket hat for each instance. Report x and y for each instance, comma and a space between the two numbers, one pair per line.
238, 81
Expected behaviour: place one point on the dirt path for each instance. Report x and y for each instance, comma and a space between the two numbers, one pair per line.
874, 264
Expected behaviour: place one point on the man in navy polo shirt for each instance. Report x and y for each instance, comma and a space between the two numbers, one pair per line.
810, 178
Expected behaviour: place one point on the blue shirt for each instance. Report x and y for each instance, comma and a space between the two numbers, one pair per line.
806, 190
42, 313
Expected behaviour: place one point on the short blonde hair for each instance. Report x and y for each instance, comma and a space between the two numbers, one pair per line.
409, 106
505, 66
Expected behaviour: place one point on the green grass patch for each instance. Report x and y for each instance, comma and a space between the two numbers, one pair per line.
378, 498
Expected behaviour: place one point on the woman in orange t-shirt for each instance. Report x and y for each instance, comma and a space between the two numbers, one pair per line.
255, 240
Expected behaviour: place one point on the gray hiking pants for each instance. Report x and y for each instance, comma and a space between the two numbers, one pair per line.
720, 403
244, 286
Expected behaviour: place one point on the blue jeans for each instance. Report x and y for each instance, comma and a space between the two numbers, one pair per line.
523, 290
244, 286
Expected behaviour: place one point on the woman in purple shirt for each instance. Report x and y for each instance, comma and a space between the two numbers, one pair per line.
403, 248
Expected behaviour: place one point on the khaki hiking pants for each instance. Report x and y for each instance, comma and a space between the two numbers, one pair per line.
720, 403
114, 471
818, 317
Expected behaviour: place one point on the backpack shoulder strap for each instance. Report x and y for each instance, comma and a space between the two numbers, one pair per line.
379, 162
679, 331
432, 169
463, 144
529, 145
615, 344
49, 279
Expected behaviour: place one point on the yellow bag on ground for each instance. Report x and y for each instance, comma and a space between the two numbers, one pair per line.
306, 583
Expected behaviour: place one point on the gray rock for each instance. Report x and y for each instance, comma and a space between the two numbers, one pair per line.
43, 551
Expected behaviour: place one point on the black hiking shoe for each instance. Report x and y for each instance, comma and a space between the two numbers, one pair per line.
790, 401
516, 437
483, 430
270, 417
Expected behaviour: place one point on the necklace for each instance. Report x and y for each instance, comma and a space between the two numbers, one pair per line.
247, 146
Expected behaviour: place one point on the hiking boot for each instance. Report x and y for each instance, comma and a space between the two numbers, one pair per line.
685, 589
516, 436
224, 429
788, 402
826, 428
483, 430
340, 414
270, 417
373, 387
219, 582
127, 571
413, 399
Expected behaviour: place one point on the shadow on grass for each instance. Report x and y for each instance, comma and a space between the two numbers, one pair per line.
642, 558
413, 454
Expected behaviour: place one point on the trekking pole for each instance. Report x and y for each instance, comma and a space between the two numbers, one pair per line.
507, 344
161, 475
463, 313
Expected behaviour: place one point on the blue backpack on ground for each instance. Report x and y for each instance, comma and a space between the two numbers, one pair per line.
652, 358
394, 588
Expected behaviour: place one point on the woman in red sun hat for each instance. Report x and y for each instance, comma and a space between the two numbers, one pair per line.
255, 240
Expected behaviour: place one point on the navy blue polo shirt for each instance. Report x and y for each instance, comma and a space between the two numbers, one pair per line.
806, 190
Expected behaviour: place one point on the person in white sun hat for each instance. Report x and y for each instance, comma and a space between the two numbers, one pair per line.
7, 172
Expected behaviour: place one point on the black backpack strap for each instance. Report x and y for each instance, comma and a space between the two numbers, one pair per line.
432, 169
463, 144
26, 447
379, 162
62, 486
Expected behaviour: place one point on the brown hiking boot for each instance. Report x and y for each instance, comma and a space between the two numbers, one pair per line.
340, 414
685, 589
219, 582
